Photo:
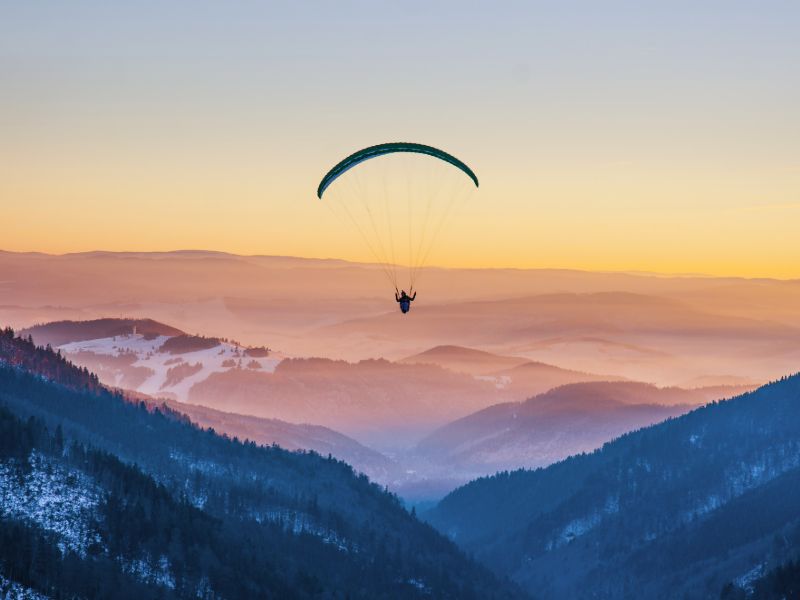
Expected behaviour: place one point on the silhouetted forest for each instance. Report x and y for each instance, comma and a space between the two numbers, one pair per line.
181, 344
23, 354
58, 333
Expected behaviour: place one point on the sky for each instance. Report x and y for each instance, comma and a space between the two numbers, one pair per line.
607, 136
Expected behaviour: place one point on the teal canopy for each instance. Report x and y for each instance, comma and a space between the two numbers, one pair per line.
381, 149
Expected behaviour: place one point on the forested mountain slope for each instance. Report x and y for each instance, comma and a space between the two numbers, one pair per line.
673, 510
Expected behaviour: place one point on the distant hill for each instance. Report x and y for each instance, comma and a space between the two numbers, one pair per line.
138, 503
58, 333
532, 378
708, 381
547, 428
675, 510
145, 356
292, 436
466, 360
518, 376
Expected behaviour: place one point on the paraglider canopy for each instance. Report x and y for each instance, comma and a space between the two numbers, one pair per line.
381, 149
398, 202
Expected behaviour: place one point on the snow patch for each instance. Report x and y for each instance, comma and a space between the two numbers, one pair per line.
147, 355
297, 522
582, 525
500, 382
153, 572
747, 580
745, 476
420, 585
55, 498
10, 590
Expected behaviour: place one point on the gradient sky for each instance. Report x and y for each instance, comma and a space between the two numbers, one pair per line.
617, 136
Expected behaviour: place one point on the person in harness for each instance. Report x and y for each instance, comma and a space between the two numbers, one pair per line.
404, 299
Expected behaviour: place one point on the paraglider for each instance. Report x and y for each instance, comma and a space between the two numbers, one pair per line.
398, 200
405, 300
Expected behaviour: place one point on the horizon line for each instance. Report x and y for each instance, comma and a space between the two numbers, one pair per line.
629, 272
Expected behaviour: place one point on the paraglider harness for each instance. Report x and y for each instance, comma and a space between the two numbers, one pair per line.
404, 299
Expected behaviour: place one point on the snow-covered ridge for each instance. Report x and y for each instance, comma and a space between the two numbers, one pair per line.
161, 373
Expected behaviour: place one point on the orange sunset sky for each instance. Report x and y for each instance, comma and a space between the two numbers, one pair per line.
612, 136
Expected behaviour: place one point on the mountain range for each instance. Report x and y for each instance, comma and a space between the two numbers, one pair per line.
366, 399
104, 496
422, 425
666, 330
